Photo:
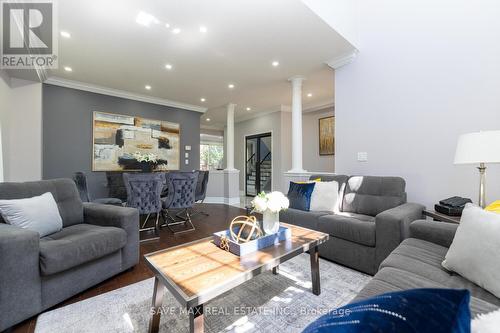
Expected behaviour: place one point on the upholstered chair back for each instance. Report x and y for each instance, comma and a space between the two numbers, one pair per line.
144, 191
181, 189
81, 184
64, 191
369, 195
201, 186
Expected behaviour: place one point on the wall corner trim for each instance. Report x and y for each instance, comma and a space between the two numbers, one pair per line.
343, 60
121, 93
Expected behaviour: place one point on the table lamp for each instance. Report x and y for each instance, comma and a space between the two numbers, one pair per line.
479, 148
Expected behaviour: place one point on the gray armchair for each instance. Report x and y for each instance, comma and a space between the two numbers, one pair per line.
371, 220
181, 197
96, 242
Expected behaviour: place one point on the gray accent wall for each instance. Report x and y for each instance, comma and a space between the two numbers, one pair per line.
67, 131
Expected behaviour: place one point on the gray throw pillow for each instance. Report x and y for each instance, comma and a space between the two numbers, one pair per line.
39, 214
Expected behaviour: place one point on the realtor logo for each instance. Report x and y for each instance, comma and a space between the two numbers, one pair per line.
29, 34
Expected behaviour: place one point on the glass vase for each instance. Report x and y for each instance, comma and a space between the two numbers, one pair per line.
270, 222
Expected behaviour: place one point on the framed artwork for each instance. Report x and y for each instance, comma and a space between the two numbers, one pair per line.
117, 139
327, 136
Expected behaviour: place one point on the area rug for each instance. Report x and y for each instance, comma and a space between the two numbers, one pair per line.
267, 303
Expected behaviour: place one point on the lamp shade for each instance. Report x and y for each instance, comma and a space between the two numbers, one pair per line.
478, 147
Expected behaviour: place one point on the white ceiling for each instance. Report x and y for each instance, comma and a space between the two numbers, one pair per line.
108, 48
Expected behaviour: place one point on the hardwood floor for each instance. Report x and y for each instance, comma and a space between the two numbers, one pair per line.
219, 218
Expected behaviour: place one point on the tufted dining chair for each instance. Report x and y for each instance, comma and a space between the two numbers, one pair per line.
143, 193
181, 197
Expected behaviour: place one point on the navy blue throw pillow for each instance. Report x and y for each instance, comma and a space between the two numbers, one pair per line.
409, 311
299, 195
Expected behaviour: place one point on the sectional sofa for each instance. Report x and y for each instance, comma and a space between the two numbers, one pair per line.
371, 219
416, 263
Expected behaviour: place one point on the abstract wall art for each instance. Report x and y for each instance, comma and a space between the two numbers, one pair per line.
117, 138
327, 136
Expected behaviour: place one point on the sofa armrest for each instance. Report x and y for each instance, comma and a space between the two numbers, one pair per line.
121, 217
20, 284
393, 226
441, 233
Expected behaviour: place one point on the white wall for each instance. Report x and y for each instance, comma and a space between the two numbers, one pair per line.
428, 71
4, 105
311, 159
21, 125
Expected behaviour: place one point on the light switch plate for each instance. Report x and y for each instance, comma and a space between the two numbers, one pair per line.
186, 155
186, 162
187, 148
362, 156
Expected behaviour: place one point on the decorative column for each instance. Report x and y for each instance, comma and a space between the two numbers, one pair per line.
230, 137
296, 124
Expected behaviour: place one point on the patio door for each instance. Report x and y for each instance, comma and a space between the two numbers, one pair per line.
258, 171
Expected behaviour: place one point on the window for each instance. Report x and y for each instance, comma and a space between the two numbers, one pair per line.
211, 155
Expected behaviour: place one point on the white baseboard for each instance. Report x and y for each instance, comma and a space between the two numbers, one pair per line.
222, 200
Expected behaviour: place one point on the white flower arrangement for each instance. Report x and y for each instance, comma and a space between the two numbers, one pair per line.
274, 202
148, 158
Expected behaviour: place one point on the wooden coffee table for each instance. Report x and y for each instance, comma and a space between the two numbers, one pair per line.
198, 272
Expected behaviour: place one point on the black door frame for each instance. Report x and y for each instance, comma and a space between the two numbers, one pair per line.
258, 157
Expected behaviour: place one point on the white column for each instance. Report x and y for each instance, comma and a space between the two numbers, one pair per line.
230, 137
296, 124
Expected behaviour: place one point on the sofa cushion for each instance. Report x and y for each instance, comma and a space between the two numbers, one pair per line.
424, 258
353, 227
393, 279
371, 195
302, 218
78, 244
64, 191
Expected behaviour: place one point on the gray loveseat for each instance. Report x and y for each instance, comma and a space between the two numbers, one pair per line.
416, 263
372, 218
96, 242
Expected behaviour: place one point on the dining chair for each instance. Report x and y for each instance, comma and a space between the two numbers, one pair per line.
181, 197
80, 180
201, 191
144, 193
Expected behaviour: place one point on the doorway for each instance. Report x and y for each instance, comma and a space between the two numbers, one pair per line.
258, 168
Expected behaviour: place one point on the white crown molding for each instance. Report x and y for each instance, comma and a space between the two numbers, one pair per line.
122, 94
343, 60
325, 104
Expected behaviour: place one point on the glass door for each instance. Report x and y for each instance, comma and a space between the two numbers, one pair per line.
258, 171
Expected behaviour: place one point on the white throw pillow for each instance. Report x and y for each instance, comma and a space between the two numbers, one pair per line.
486, 323
475, 249
325, 196
39, 214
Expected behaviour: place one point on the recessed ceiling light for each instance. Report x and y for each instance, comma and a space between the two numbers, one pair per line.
202, 99
275, 63
309, 95
167, 25
249, 108
65, 34
230, 86
147, 87
203, 29
168, 66
146, 19
68, 69
208, 119
176, 31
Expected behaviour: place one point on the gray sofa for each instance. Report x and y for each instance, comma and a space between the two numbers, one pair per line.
372, 218
96, 242
416, 263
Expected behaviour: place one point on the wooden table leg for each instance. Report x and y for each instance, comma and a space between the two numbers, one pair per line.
316, 285
276, 270
154, 321
196, 324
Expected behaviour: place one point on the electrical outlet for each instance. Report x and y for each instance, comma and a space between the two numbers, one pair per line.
362, 156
